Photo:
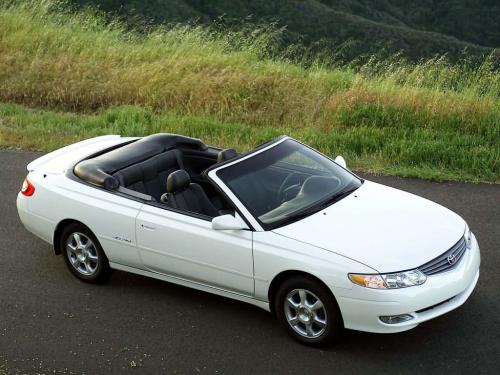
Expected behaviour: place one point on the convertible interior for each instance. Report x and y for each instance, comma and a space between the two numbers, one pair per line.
164, 169
169, 171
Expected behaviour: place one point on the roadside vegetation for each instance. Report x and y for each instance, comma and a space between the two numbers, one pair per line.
418, 29
83, 76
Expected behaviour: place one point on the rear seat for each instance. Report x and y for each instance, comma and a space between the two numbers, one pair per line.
150, 176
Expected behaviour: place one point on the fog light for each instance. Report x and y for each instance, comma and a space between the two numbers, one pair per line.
395, 319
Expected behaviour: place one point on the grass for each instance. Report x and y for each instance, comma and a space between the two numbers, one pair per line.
87, 77
366, 148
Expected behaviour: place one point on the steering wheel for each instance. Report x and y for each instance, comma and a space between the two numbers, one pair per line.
289, 188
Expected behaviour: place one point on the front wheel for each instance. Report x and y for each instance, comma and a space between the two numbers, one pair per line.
308, 311
83, 254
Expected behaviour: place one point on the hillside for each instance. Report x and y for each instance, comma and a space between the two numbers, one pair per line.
419, 29
68, 76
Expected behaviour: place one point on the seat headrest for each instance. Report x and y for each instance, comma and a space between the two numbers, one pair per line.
226, 154
177, 180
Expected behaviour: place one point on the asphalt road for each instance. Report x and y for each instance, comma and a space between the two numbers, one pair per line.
52, 323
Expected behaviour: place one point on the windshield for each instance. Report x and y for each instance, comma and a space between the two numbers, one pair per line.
287, 182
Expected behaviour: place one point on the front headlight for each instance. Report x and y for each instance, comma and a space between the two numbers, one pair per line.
389, 280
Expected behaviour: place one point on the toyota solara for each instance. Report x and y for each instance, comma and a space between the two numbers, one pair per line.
282, 227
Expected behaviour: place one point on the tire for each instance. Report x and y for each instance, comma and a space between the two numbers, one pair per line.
311, 323
83, 254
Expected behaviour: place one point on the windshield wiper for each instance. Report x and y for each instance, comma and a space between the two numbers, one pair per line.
317, 207
336, 197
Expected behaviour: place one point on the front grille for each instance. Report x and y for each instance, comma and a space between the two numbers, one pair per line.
442, 263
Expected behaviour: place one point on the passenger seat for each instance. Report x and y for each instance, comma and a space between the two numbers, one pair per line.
187, 196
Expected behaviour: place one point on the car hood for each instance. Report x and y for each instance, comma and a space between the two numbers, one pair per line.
384, 228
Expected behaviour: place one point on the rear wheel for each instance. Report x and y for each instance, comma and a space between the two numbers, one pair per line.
308, 311
83, 254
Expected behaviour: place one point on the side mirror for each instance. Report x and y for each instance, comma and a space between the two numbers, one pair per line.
227, 222
341, 161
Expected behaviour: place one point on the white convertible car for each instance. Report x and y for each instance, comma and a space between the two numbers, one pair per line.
282, 227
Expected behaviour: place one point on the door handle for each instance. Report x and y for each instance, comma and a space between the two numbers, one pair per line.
147, 226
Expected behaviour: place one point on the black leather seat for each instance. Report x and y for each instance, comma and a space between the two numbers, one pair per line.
149, 176
184, 195
226, 154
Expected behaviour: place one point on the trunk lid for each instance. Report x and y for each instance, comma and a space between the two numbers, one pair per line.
60, 160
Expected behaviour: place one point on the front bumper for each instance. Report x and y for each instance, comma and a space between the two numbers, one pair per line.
361, 307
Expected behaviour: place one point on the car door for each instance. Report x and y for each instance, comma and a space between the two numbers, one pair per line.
185, 246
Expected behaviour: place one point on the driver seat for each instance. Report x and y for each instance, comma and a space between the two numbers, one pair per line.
187, 196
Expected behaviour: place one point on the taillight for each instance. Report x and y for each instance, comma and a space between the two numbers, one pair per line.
27, 189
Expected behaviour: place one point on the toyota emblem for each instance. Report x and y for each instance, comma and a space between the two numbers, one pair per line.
452, 259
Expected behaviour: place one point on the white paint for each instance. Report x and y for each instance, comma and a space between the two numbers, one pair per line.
375, 229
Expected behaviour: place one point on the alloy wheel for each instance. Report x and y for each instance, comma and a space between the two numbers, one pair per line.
305, 313
82, 253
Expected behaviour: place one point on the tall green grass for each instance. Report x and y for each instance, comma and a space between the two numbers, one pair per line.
389, 150
430, 119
